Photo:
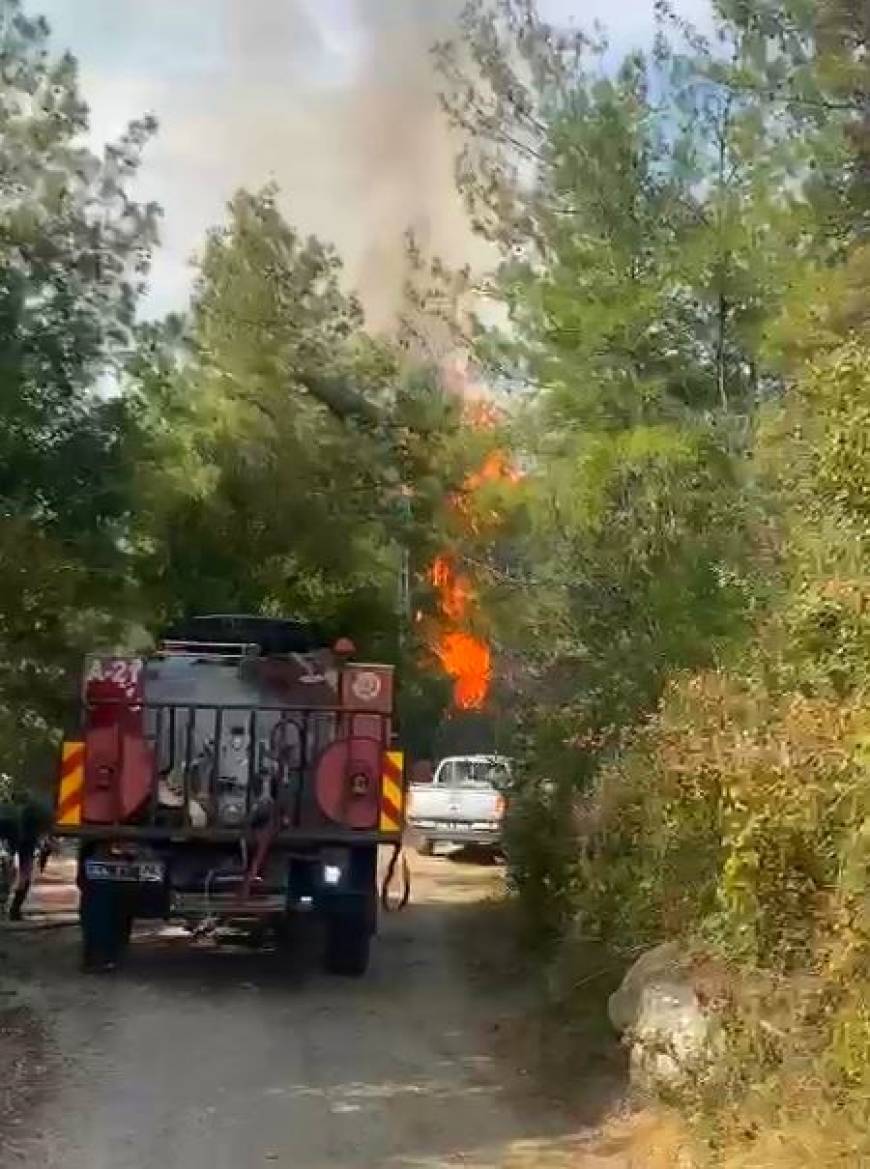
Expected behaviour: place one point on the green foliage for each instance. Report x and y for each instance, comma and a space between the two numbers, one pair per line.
74, 250
258, 492
682, 607
545, 862
676, 591
738, 815
262, 453
274, 506
647, 234
837, 398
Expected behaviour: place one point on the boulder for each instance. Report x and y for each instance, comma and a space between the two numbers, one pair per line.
664, 963
659, 1014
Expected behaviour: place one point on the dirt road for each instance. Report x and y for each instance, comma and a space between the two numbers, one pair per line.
196, 1059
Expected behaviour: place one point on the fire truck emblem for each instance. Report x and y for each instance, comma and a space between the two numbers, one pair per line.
366, 686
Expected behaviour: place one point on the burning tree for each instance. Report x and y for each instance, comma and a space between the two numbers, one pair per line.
454, 634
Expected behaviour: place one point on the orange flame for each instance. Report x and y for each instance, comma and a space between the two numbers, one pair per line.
465, 657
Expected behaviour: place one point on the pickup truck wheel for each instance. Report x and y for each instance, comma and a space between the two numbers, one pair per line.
426, 847
348, 944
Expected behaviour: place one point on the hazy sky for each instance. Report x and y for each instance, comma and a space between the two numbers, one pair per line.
334, 99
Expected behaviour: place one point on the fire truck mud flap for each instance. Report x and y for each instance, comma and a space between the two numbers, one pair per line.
348, 901
349, 930
106, 921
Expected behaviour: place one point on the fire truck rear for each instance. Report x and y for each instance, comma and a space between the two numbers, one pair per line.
240, 774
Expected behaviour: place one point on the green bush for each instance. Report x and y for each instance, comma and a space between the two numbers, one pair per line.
544, 863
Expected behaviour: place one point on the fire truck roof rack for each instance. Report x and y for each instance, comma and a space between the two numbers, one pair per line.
207, 650
270, 635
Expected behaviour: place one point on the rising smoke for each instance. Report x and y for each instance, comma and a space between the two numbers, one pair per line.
334, 100
406, 159
348, 123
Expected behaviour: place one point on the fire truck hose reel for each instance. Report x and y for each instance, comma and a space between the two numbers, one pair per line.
391, 905
346, 782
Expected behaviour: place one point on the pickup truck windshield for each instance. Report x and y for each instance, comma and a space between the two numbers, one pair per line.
473, 773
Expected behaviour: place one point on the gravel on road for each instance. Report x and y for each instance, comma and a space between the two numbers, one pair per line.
193, 1057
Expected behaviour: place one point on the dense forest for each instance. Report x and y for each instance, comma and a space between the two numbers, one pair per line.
668, 562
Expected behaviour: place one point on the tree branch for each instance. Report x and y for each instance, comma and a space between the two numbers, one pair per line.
341, 399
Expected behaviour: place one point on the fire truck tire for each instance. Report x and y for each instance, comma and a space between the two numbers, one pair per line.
348, 944
106, 927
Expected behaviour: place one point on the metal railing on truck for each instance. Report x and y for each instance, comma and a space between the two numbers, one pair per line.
190, 748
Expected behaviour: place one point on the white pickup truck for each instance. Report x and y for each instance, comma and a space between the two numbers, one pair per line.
463, 804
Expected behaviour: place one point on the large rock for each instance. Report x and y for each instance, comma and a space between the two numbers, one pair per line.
662, 964
658, 1013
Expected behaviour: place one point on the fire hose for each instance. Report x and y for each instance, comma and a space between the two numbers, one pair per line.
396, 905
390, 903
264, 840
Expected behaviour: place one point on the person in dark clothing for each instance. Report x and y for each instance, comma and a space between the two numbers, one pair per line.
48, 845
8, 852
22, 827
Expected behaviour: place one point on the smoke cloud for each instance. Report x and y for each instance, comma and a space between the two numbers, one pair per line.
337, 102
405, 150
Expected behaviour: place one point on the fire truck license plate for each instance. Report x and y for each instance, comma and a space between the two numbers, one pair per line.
148, 871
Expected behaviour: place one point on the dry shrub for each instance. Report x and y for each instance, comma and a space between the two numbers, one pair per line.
738, 818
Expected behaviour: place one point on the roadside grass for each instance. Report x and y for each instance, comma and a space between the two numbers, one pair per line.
552, 1031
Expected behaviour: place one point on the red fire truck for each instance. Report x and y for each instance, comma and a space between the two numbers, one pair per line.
241, 773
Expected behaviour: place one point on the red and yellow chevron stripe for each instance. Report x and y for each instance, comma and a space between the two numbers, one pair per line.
392, 791
71, 793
